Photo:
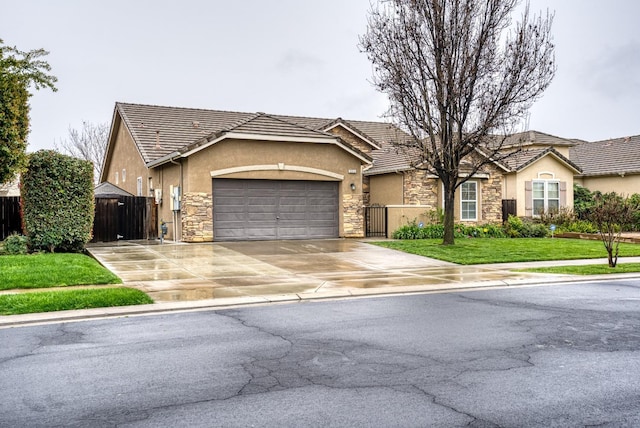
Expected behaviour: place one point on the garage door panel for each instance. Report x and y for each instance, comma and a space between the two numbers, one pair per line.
269, 209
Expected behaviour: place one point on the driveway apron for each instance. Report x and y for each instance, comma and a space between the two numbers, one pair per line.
178, 271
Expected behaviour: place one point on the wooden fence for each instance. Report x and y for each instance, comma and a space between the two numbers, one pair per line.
10, 216
124, 217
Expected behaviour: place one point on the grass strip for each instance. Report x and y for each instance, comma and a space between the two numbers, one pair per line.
506, 250
50, 301
586, 269
52, 270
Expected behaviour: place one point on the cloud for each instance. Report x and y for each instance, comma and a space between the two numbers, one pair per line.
293, 61
615, 73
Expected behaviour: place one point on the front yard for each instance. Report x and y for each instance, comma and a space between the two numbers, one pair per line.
468, 251
60, 270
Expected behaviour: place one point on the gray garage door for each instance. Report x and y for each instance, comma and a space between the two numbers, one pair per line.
268, 209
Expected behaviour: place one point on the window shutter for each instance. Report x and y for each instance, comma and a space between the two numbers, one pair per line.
528, 198
563, 194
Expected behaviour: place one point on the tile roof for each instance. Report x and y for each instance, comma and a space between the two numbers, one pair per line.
389, 159
528, 138
159, 130
608, 157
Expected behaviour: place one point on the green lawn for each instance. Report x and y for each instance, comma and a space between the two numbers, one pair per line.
504, 250
587, 269
52, 270
49, 301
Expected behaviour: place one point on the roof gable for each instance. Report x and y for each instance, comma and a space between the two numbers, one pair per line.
339, 122
527, 157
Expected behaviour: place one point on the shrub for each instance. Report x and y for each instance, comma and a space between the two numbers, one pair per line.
413, 231
580, 226
519, 228
58, 204
15, 244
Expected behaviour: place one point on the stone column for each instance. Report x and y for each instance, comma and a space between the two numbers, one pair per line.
197, 217
353, 215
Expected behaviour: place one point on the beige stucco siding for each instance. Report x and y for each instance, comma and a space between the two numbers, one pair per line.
246, 154
386, 189
547, 168
125, 157
164, 177
627, 185
273, 160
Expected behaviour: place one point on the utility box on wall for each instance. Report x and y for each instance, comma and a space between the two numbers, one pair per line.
174, 194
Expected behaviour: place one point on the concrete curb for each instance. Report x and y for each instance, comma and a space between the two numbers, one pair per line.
10, 321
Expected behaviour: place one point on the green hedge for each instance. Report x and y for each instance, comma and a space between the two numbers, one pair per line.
436, 231
57, 202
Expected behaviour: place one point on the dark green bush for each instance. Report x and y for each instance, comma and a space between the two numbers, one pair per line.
582, 201
517, 227
58, 204
15, 244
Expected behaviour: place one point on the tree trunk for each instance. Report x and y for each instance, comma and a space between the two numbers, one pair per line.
449, 222
613, 261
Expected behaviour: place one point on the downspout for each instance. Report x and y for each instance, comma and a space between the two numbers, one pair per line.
175, 213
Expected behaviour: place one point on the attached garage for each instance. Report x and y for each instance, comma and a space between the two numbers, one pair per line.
274, 209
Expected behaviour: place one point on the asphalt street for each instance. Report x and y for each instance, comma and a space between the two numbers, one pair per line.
562, 355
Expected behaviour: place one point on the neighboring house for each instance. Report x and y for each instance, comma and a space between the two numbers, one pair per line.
610, 165
11, 188
219, 175
540, 177
108, 190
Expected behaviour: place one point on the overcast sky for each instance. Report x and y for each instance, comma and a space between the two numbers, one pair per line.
290, 57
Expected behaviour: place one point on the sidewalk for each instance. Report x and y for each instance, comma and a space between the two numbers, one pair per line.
227, 302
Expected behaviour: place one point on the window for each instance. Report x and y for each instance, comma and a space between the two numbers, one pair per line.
139, 186
124, 175
546, 196
117, 178
469, 201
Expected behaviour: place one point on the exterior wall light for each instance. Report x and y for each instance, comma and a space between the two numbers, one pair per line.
353, 187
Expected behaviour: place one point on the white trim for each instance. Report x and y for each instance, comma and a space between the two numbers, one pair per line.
552, 174
545, 199
277, 167
475, 218
352, 131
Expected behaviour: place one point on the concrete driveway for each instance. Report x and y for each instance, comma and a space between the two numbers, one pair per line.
177, 271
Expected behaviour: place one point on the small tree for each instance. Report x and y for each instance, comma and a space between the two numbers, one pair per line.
57, 202
18, 71
611, 213
89, 143
457, 72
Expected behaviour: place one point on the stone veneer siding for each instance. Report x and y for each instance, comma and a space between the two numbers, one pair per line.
197, 217
353, 215
491, 199
420, 189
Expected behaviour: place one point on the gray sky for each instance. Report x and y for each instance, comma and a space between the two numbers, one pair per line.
290, 57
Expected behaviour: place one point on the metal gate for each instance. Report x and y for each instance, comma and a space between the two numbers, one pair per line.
375, 220
10, 216
125, 217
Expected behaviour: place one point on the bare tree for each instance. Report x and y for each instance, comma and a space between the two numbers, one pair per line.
89, 143
611, 214
458, 73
